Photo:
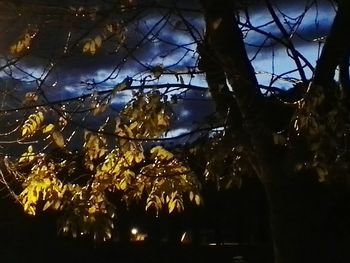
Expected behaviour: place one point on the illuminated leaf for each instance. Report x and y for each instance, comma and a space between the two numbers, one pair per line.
191, 195
95, 146
32, 124
163, 120
23, 44
171, 205
48, 128
58, 139
92, 45
41, 185
109, 28
99, 108
197, 199
160, 153
30, 98
28, 156
98, 41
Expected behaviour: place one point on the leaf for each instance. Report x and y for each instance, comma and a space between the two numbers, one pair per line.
171, 205
162, 120
191, 195
48, 128
99, 108
149, 204
47, 204
22, 44
109, 28
98, 41
58, 139
92, 45
123, 184
30, 98
197, 199
279, 139
28, 156
161, 153
32, 124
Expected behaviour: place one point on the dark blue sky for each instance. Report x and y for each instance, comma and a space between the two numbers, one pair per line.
157, 39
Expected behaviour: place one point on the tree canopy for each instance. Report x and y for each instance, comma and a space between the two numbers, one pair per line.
117, 98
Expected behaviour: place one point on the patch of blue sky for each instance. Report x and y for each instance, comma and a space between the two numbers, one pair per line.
273, 59
271, 66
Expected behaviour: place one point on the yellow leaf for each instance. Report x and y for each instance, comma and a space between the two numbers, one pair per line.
99, 108
161, 153
197, 199
162, 120
149, 204
27, 39
92, 210
47, 205
123, 184
171, 205
98, 41
139, 157
129, 157
92, 48
86, 47
30, 98
48, 128
191, 195
58, 139
158, 201
133, 125
109, 28
57, 205
28, 156
32, 124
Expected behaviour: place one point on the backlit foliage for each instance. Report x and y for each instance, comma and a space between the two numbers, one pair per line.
146, 116
41, 185
23, 44
115, 31
77, 184
322, 127
32, 124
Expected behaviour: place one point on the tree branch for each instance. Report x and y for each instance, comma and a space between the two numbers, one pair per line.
287, 41
336, 47
226, 39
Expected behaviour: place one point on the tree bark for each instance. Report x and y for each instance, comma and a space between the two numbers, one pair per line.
299, 222
336, 47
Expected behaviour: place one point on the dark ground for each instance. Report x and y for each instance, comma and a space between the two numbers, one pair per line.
236, 219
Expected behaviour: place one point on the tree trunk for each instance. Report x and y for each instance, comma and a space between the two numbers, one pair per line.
336, 48
300, 218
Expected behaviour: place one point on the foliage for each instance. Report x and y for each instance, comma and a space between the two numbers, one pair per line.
73, 153
150, 175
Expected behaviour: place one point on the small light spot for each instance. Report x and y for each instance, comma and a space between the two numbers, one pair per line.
134, 231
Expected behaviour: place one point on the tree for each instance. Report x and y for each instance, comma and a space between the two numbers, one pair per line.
312, 143
294, 140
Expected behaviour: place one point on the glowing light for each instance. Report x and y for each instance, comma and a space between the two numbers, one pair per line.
134, 231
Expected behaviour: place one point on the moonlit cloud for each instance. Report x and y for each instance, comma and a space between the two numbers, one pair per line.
169, 42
